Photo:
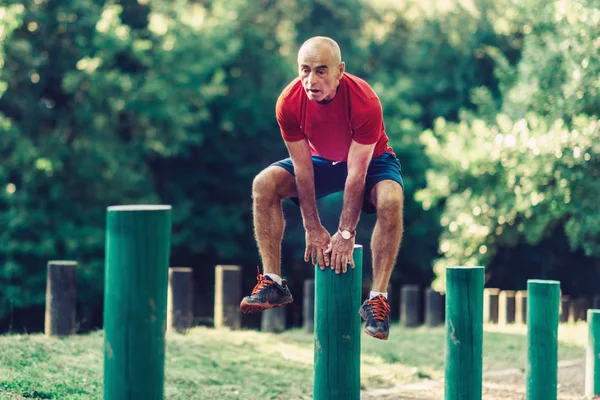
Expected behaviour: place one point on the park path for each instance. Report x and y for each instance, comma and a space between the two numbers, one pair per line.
498, 385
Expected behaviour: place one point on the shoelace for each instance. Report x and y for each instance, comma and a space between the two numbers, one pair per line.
262, 282
380, 307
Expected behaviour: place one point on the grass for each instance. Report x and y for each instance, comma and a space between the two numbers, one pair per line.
227, 365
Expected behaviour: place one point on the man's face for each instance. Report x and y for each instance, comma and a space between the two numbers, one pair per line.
320, 72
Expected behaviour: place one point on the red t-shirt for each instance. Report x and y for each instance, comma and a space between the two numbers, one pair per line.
353, 114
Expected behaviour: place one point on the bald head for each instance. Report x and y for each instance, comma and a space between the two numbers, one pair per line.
322, 45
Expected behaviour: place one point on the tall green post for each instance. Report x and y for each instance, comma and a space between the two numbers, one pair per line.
592, 358
135, 301
337, 332
464, 333
542, 339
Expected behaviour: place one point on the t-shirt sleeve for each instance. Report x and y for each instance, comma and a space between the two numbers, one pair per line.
288, 122
367, 121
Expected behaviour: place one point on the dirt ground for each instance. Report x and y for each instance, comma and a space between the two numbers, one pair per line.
498, 385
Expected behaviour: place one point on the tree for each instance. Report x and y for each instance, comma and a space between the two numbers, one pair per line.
528, 173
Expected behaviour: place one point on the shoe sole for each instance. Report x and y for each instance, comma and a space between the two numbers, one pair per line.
378, 335
251, 308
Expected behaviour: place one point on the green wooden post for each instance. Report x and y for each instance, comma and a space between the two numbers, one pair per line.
464, 333
542, 339
592, 365
337, 332
135, 301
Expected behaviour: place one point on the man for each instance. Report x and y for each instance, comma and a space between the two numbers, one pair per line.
332, 125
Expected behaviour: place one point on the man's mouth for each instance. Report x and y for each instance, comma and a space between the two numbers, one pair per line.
313, 90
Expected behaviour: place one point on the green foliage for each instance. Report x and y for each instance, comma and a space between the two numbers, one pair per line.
558, 74
94, 113
520, 171
511, 182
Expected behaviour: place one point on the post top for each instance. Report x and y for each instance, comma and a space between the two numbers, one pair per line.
62, 262
358, 246
180, 269
543, 281
140, 207
229, 267
491, 290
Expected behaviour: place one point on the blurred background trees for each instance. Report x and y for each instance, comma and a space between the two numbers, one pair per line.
491, 107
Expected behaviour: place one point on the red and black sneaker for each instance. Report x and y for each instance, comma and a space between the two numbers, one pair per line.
266, 294
376, 312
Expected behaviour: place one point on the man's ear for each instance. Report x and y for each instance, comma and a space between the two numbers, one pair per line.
341, 70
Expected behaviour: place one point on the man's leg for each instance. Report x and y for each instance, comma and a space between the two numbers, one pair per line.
388, 198
269, 188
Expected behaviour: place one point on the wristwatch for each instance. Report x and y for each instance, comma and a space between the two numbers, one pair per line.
346, 234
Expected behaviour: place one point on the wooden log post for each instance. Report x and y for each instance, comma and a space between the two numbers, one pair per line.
434, 308
308, 306
180, 300
410, 306
273, 320
583, 304
391, 297
572, 310
228, 291
521, 307
596, 302
592, 360
506, 307
138, 240
542, 339
565, 307
464, 333
490, 305
338, 332
61, 298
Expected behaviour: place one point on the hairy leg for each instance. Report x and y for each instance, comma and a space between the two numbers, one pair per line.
269, 188
388, 198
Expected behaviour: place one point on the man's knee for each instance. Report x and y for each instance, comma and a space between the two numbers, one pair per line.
389, 201
263, 184
272, 182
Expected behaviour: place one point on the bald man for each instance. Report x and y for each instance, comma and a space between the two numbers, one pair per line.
332, 125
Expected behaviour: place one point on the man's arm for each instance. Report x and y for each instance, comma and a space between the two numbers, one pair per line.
317, 237
341, 250
359, 157
305, 183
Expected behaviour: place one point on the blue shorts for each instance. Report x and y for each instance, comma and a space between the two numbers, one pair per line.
331, 177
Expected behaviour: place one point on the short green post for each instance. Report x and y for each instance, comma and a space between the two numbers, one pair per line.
337, 332
464, 333
138, 242
542, 339
592, 362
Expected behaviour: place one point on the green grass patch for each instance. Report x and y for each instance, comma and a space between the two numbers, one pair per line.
227, 365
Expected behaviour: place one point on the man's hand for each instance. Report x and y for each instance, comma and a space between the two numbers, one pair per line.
342, 251
317, 241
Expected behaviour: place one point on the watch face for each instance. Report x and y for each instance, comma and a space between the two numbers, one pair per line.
346, 234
